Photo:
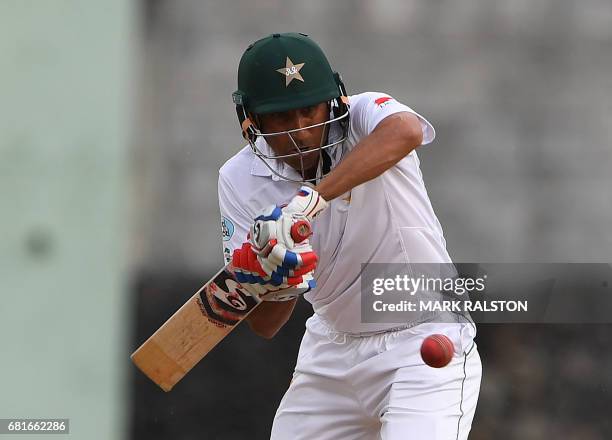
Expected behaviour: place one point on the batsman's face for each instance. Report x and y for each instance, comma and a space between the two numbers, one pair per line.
308, 140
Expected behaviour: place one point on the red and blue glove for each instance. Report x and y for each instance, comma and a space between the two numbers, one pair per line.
281, 285
275, 259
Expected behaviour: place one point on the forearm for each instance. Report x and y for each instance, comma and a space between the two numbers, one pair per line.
268, 317
394, 138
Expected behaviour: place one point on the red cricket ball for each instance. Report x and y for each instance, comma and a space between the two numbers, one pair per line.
437, 351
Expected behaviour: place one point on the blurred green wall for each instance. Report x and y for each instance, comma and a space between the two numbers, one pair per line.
64, 114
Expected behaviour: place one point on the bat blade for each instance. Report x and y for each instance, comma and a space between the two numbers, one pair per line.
194, 330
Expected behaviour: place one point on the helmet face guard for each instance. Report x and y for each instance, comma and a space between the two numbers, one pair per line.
339, 117
283, 72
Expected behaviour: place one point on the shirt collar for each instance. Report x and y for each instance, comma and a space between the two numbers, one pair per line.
258, 168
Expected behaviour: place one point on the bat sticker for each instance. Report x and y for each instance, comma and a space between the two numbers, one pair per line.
224, 302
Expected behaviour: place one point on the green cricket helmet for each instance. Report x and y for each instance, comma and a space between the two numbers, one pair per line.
283, 72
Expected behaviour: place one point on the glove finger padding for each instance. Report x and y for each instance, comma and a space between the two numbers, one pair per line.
292, 292
245, 259
247, 269
299, 256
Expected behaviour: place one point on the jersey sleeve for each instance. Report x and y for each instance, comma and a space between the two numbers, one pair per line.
235, 221
370, 108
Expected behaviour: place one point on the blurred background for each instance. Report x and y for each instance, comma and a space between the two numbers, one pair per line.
115, 117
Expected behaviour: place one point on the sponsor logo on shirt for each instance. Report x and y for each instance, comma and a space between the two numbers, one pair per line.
227, 228
383, 101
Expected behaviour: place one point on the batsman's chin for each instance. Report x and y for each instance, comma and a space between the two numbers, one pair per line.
308, 162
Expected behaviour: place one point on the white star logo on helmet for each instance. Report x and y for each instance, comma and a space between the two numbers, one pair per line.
291, 71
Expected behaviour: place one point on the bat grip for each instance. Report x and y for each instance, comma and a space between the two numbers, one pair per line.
300, 231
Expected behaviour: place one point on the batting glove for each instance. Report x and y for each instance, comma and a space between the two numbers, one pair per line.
280, 285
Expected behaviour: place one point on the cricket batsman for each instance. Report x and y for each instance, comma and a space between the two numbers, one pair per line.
348, 166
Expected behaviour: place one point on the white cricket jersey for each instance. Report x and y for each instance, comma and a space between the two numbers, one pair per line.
386, 220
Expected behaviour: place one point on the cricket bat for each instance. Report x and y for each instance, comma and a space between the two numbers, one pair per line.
199, 325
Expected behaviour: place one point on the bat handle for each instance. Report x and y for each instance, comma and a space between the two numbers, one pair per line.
300, 231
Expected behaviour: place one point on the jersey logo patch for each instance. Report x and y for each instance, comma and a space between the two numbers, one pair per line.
381, 102
227, 228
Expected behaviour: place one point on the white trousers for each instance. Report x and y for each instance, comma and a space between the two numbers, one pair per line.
378, 387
